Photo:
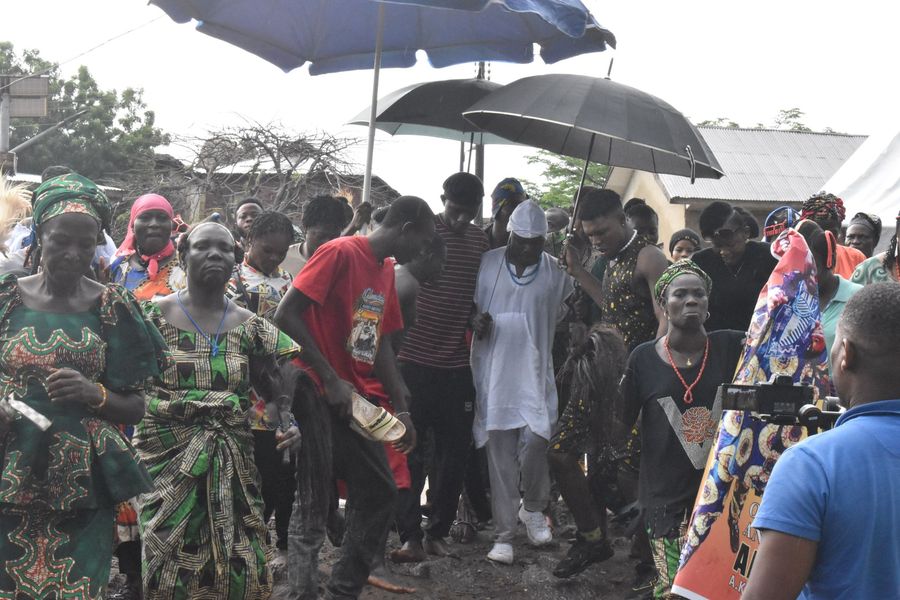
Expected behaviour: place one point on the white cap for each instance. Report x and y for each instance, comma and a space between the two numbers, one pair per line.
528, 221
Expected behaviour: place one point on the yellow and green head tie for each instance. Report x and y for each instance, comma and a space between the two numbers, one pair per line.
70, 193
682, 267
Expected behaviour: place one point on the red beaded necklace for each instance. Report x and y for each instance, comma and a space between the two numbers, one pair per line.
688, 389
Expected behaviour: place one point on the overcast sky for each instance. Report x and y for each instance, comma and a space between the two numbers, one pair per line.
835, 61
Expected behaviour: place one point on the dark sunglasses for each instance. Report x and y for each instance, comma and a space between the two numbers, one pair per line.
726, 235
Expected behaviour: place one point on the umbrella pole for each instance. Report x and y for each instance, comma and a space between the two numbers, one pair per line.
570, 235
587, 162
373, 112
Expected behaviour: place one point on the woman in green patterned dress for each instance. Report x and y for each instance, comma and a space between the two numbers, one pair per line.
80, 354
202, 527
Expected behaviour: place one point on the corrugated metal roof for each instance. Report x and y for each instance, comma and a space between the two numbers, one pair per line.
31, 178
766, 165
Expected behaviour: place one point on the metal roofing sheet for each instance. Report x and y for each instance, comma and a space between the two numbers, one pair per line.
766, 165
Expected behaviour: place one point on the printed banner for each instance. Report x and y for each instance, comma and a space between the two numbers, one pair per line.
785, 338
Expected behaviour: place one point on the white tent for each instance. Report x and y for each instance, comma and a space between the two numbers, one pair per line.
870, 179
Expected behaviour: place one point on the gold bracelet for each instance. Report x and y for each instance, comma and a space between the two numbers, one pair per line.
104, 398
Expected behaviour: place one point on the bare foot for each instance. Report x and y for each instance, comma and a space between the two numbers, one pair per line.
410, 552
438, 547
381, 579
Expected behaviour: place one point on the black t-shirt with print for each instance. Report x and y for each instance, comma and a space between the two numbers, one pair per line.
735, 291
675, 437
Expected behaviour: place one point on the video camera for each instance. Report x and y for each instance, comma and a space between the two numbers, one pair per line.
782, 403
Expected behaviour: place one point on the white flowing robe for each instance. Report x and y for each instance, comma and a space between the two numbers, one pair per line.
512, 367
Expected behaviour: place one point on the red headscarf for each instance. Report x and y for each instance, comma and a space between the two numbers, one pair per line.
142, 205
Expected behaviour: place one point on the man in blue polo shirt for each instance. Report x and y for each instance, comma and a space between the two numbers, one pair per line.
830, 516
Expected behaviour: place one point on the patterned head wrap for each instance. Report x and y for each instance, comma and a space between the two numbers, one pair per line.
682, 267
70, 193
823, 205
508, 190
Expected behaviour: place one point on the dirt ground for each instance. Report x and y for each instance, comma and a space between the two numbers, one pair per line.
473, 577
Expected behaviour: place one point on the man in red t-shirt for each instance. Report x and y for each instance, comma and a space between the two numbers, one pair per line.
340, 308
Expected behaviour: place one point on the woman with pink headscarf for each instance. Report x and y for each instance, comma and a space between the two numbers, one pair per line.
146, 263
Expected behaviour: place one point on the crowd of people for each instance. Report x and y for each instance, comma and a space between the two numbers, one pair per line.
149, 390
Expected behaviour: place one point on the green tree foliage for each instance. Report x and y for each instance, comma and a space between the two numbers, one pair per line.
790, 119
561, 176
115, 136
719, 122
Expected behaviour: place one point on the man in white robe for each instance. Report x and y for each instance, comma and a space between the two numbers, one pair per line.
519, 298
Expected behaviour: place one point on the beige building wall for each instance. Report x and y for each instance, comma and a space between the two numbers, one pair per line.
629, 184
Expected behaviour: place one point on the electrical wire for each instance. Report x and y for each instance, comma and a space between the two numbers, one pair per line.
100, 45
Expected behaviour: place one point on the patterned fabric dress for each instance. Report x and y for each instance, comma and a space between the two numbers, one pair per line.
170, 278
60, 487
622, 309
785, 338
260, 294
202, 526
872, 270
631, 315
257, 292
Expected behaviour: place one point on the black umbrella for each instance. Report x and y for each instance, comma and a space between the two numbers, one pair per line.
592, 118
596, 119
434, 109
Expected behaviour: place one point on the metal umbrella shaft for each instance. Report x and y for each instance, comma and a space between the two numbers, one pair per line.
373, 112
587, 162
570, 228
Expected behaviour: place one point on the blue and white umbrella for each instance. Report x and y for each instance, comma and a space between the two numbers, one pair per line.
344, 35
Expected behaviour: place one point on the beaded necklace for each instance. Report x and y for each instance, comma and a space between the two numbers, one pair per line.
688, 389
613, 259
526, 277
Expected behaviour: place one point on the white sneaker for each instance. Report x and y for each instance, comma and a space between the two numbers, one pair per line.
501, 553
536, 526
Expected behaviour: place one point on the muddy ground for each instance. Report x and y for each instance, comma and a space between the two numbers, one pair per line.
473, 577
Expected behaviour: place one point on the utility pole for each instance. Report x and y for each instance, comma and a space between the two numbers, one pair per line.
20, 96
7, 158
479, 153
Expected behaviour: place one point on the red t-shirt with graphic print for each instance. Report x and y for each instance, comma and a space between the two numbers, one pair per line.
354, 306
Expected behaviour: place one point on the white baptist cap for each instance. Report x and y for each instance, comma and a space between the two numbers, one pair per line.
528, 221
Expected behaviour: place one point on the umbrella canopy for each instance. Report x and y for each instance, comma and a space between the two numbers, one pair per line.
599, 120
434, 109
340, 35
343, 35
